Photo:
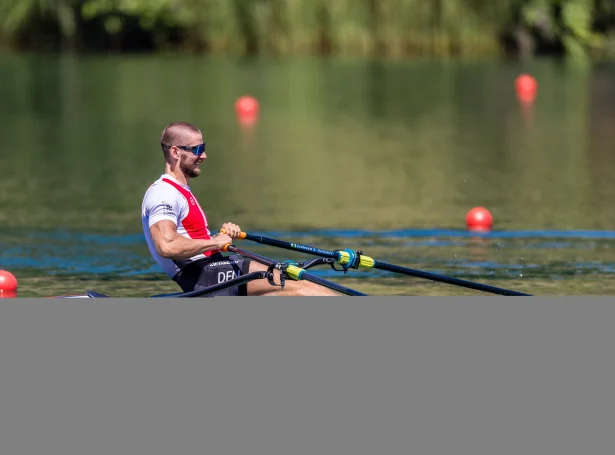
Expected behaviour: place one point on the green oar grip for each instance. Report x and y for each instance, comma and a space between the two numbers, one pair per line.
294, 272
364, 261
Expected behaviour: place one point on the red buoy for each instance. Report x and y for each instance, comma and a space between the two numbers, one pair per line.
479, 219
247, 109
8, 284
526, 87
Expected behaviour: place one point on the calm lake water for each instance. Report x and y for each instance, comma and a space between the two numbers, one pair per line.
387, 157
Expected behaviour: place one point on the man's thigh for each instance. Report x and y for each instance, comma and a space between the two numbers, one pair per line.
291, 287
219, 272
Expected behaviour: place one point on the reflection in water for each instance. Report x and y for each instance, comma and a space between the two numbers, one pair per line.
601, 148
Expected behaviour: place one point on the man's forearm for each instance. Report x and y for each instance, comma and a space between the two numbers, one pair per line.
181, 247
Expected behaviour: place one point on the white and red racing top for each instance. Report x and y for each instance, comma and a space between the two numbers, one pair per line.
168, 199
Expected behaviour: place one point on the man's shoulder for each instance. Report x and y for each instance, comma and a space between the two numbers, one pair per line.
158, 186
154, 185
159, 190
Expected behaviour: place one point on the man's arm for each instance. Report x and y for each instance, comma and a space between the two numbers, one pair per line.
172, 245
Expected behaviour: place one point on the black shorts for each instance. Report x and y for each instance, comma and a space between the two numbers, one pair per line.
214, 270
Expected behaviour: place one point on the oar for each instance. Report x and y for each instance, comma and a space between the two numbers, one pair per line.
349, 258
294, 272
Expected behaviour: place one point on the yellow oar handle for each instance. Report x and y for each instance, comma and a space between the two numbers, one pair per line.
294, 272
241, 236
364, 261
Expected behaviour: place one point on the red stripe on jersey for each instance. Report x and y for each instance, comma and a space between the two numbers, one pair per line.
195, 222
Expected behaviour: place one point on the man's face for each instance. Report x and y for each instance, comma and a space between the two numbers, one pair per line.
189, 163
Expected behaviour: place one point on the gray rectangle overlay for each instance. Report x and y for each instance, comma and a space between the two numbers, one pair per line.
411, 375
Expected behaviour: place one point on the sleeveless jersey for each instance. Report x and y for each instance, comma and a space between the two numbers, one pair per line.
167, 199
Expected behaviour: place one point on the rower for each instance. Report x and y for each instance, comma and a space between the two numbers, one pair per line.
177, 231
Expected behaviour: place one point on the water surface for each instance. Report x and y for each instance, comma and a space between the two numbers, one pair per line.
385, 156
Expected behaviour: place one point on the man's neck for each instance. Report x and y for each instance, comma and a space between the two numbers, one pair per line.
177, 174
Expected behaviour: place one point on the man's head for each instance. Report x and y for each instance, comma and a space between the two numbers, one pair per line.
182, 145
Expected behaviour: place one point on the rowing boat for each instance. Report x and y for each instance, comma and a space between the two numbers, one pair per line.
345, 259
88, 295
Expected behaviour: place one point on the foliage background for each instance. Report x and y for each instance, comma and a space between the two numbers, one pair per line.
344, 27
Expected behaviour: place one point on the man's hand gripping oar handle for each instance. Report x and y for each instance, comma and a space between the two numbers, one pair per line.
225, 247
242, 235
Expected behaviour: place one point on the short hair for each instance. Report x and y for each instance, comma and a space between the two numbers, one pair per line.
174, 133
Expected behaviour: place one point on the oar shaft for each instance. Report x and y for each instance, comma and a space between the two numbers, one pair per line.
367, 262
327, 284
295, 272
289, 246
445, 279
248, 254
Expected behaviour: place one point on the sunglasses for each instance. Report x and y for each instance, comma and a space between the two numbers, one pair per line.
198, 150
